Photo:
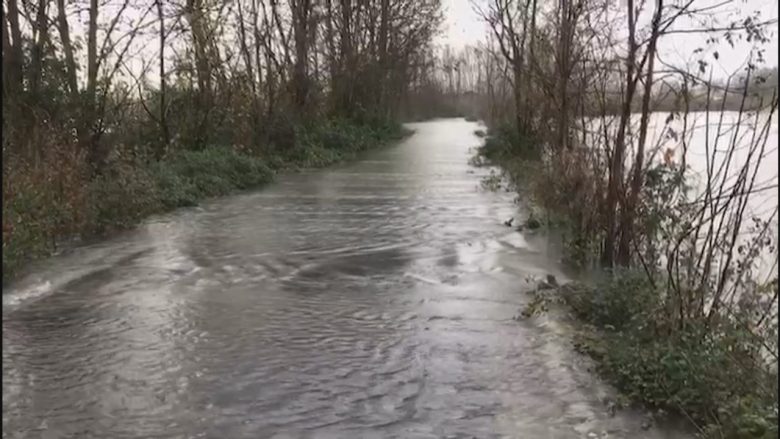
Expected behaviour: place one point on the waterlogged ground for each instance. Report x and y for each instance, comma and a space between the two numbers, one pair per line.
371, 300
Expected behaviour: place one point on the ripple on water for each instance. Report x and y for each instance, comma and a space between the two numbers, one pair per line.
370, 300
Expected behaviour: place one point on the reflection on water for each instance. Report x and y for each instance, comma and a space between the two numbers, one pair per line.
373, 299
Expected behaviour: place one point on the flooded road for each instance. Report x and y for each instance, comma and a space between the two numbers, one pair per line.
374, 299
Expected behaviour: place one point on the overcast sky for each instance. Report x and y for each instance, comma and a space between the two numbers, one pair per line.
464, 27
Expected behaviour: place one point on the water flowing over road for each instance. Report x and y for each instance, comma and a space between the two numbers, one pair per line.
373, 299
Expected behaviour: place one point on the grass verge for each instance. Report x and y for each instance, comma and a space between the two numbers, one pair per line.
715, 377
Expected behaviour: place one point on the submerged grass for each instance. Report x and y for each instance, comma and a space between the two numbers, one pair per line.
54, 200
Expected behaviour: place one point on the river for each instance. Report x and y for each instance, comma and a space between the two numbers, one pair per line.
372, 299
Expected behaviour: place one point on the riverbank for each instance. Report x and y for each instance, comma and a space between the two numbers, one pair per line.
54, 201
659, 352
711, 377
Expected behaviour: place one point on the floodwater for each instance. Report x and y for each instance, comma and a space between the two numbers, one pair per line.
374, 299
724, 142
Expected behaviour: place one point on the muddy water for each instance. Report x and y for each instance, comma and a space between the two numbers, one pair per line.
369, 300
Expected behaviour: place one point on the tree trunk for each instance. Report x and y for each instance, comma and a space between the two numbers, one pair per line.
86, 128
36, 63
13, 59
245, 48
300, 14
531, 51
164, 133
7, 48
257, 107
195, 16
343, 88
629, 209
67, 48
518, 97
615, 185
566, 31
383, 66
92, 61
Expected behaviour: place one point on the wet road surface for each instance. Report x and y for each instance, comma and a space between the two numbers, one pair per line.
374, 299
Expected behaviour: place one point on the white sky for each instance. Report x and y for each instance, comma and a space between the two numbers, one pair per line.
464, 27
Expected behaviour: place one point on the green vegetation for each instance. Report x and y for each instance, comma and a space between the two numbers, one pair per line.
49, 203
658, 340
505, 143
517, 156
713, 375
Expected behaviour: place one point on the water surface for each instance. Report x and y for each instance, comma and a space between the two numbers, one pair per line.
375, 299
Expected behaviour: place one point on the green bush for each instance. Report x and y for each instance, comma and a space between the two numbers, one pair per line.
313, 156
174, 190
120, 197
697, 374
616, 302
711, 374
42, 201
343, 134
188, 176
330, 141
505, 143
517, 156
30, 219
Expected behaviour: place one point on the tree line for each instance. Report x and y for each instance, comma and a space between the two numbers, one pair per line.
167, 74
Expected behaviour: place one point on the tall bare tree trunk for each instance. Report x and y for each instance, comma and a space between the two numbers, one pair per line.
565, 36
532, 55
86, 127
195, 17
257, 43
13, 59
333, 67
92, 61
517, 73
41, 30
259, 80
346, 58
300, 13
383, 66
164, 133
245, 48
67, 48
629, 209
615, 185
7, 48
